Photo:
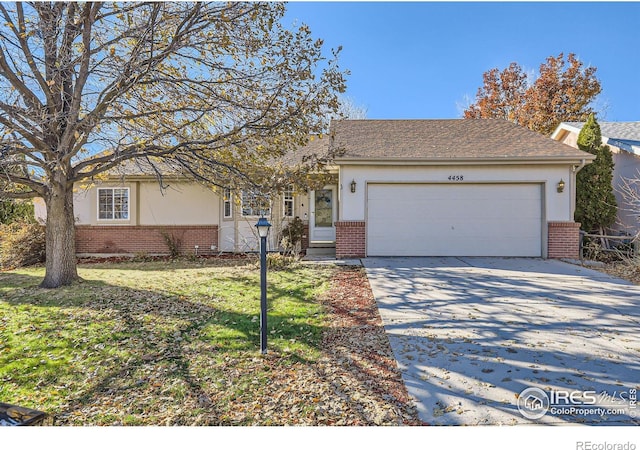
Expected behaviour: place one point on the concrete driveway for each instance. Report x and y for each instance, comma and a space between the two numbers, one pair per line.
470, 334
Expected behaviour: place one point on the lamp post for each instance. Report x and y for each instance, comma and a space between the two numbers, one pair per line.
263, 231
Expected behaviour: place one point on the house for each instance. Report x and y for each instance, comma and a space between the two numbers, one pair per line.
458, 187
623, 138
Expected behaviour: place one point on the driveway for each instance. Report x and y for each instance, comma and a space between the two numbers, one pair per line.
470, 334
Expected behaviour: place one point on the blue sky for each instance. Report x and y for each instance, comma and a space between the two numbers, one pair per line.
423, 60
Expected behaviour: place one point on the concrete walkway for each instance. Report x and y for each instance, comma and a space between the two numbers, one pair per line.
470, 334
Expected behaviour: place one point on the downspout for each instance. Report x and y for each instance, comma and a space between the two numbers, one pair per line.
577, 169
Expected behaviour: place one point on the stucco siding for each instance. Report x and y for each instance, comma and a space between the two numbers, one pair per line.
179, 204
82, 206
238, 233
627, 166
556, 206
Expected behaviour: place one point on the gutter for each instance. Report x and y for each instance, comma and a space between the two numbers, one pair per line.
580, 160
578, 168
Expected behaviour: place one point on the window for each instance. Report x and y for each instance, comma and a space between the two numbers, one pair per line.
288, 202
113, 203
255, 204
227, 205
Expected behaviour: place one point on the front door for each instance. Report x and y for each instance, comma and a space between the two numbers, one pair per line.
323, 215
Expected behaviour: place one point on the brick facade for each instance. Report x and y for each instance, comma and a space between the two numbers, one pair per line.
350, 239
145, 239
304, 244
563, 240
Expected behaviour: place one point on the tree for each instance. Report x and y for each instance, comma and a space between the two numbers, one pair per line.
348, 109
501, 95
14, 210
595, 202
564, 90
212, 91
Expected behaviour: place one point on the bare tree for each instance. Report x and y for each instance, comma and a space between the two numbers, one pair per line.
213, 91
348, 109
629, 191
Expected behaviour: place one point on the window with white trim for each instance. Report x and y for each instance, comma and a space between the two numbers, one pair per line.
227, 205
288, 202
254, 204
113, 203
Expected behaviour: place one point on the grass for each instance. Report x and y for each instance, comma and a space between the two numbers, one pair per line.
154, 343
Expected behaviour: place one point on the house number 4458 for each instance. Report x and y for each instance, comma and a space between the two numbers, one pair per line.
456, 177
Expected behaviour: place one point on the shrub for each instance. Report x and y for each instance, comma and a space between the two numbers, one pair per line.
16, 211
292, 237
277, 261
173, 242
21, 244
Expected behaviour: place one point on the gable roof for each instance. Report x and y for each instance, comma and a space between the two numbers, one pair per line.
316, 147
446, 140
624, 135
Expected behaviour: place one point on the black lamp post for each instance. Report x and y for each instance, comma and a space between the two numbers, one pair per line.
263, 226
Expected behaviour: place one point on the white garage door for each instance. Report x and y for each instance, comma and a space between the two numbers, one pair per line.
454, 220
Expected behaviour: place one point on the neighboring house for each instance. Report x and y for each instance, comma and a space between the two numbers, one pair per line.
623, 138
472, 187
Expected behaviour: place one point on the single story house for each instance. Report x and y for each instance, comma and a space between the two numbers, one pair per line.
458, 187
623, 138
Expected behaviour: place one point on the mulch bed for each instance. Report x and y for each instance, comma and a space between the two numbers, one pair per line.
359, 355
628, 270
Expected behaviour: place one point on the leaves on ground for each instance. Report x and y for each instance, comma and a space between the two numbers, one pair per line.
177, 344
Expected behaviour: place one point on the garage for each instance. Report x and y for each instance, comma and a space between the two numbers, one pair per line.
456, 187
431, 219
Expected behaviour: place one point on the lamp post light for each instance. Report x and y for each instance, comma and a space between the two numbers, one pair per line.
263, 226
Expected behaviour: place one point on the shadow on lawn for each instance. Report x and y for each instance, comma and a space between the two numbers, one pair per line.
136, 341
12, 280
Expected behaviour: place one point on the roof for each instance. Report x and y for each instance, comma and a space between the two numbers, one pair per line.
317, 147
143, 167
448, 139
624, 135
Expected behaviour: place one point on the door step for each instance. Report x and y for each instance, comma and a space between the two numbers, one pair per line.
321, 251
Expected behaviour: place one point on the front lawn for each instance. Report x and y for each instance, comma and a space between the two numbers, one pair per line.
177, 343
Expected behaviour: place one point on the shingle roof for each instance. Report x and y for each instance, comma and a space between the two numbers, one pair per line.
626, 131
315, 146
624, 135
141, 167
451, 139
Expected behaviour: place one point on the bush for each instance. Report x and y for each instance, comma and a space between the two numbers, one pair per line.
16, 211
21, 244
173, 242
277, 261
292, 237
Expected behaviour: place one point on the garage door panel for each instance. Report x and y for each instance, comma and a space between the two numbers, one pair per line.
454, 220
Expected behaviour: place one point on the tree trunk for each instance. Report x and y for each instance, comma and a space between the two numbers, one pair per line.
61, 264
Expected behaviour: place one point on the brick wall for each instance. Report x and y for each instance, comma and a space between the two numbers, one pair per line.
564, 240
304, 244
144, 239
350, 239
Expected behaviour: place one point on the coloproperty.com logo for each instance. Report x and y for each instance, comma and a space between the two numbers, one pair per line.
534, 403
